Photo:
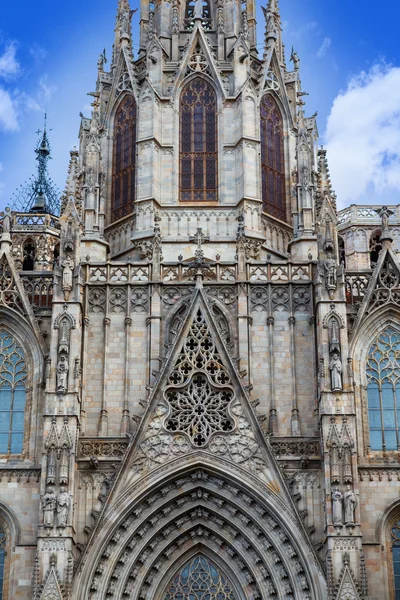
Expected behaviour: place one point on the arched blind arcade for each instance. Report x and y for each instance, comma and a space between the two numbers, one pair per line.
383, 377
13, 377
124, 159
200, 580
198, 143
272, 159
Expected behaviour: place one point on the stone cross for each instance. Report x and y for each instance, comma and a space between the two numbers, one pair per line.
384, 214
199, 238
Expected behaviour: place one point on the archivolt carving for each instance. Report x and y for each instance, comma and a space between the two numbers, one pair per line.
199, 511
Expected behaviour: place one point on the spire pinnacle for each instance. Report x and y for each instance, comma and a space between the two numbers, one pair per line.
40, 194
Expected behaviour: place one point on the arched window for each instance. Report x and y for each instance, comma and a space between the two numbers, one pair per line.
375, 247
383, 390
272, 159
200, 579
396, 558
342, 251
190, 12
124, 159
198, 142
3, 544
29, 254
13, 375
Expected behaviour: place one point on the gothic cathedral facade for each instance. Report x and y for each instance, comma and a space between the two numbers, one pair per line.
200, 356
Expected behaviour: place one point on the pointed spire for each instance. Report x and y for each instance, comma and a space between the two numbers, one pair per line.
40, 194
123, 29
71, 183
324, 187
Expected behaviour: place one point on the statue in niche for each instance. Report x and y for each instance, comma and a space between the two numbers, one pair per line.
337, 506
64, 466
63, 501
349, 505
336, 367
51, 467
62, 373
68, 267
330, 268
49, 502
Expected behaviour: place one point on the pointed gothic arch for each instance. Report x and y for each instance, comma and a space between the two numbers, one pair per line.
199, 479
273, 184
124, 158
198, 149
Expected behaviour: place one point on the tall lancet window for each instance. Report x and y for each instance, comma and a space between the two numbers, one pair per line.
383, 390
198, 143
124, 159
272, 159
13, 377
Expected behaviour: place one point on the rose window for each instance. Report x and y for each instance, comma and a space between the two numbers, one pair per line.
199, 390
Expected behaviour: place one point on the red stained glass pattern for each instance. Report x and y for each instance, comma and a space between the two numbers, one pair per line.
198, 143
124, 159
272, 159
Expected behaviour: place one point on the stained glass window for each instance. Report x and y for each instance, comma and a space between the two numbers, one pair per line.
198, 142
12, 394
272, 159
200, 580
3, 541
383, 377
124, 159
396, 558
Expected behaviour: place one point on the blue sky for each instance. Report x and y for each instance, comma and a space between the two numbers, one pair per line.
350, 66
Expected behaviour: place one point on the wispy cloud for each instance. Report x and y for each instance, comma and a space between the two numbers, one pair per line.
9, 65
323, 49
303, 30
46, 89
38, 53
363, 135
8, 112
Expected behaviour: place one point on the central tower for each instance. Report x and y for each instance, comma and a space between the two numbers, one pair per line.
198, 130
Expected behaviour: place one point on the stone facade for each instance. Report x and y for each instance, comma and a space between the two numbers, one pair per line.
195, 372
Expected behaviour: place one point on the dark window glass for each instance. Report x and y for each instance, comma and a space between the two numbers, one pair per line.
124, 159
198, 143
272, 159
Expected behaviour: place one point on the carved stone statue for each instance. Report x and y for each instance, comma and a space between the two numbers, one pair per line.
49, 502
330, 272
349, 505
63, 502
68, 267
295, 60
384, 214
198, 9
337, 507
336, 367
7, 220
62, 373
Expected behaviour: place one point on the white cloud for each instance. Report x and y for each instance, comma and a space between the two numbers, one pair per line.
363, 136
323, 49
38, 53
8, 112
9, 66
46, 89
